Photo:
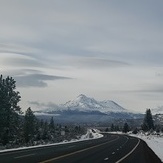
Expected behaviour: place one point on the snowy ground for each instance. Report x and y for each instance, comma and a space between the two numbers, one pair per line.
155, 142
91, 134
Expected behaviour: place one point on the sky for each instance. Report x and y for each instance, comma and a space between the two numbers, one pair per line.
105, 49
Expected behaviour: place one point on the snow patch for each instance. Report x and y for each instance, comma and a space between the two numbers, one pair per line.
91, 134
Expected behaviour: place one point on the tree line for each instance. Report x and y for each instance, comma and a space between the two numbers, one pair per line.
146, 126
18, 129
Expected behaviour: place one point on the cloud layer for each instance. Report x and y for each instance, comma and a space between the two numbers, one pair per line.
33, 78
106, 46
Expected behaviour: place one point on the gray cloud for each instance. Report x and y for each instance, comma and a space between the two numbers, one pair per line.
18, 49
92, 62
19, 60
153, 90
20, 72
23, 62
87, 34
32, 77
125, 28
36, 80
149, 89
40, 105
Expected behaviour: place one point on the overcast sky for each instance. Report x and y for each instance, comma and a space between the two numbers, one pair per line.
105, 49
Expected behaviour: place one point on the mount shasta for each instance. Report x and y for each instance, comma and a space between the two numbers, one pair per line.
85, 109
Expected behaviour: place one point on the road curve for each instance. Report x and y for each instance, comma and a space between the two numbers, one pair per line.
111, 148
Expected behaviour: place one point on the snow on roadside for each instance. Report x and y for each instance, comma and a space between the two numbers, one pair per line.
91, 134
155, 142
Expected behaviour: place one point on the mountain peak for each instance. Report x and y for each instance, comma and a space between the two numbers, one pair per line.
84, 103
82, 96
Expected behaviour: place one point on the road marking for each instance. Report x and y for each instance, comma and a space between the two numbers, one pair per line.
106, 159
113, 153
82, 150
125, 142
24, 156
129, 152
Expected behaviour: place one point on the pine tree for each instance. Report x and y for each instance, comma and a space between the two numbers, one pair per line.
29, 125
135, 131
107, 129
45, 131
126, 128
148, 121
112, 127
117, 128
51, 124
51, 129
9, 109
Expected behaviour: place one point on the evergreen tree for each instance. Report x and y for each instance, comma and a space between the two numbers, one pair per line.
29, 125
148, 121
117, 128
45, 131
135, 131
51, 129
9, 109
157, 128
41, 123
125, 128
112, 127
51, 124
38, 130
107, 129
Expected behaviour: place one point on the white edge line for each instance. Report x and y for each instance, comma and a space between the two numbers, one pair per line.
128, 153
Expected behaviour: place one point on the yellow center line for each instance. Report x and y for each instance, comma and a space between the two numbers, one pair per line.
82, 150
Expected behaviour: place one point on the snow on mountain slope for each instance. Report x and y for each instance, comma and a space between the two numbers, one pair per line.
111, 106
84, 103
86, 109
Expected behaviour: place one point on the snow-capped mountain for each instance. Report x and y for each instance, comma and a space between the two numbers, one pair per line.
86, 109
86, 104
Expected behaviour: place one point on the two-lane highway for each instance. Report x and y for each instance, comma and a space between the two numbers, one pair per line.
111, 148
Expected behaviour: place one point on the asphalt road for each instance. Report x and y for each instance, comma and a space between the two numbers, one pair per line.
110, 148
